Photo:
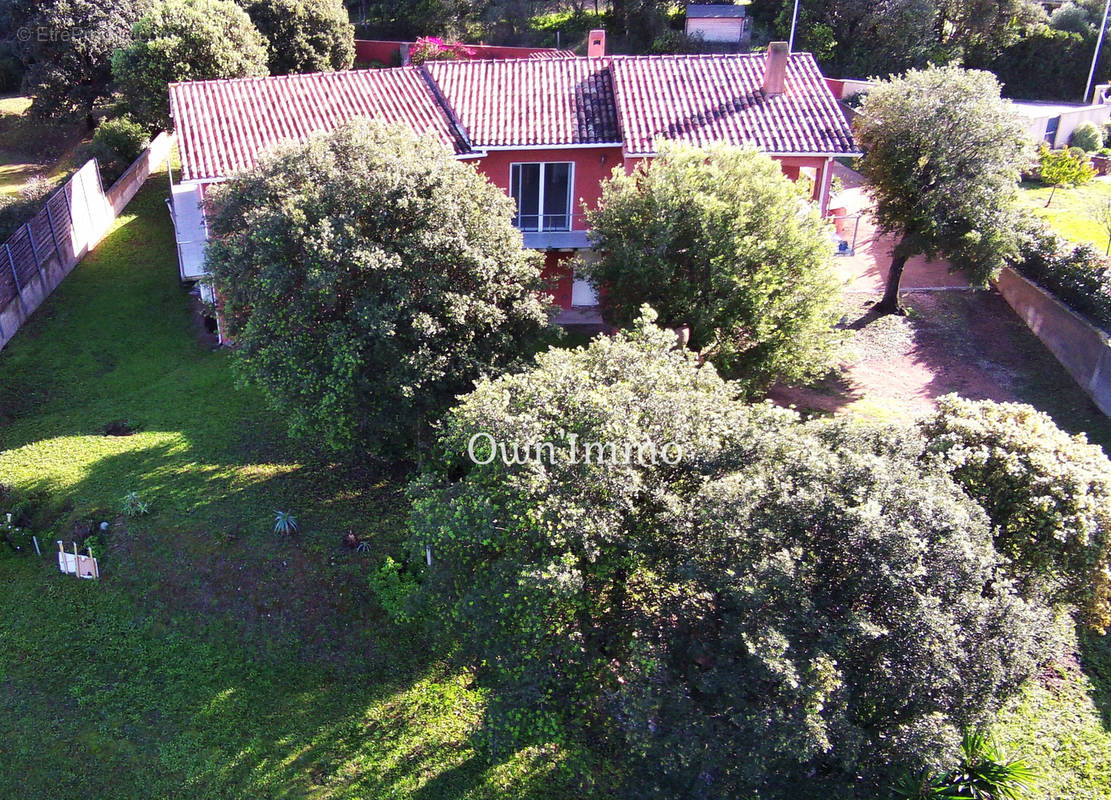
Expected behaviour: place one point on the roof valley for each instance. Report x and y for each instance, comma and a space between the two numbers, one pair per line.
475, 106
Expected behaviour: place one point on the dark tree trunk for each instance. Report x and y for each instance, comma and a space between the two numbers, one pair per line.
890, 302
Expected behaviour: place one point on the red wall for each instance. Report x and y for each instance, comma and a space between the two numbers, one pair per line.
389, 52
592, 166
558, 276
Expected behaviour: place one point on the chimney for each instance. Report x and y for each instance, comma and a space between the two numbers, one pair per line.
775, 68
596, 44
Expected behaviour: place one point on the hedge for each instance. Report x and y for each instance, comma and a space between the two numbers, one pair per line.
1076, 274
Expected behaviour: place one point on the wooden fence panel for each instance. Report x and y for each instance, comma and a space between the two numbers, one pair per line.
70, 224
43, 237
63, 226
23, 255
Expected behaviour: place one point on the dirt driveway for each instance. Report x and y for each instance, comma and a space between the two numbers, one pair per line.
968, 342
866, 269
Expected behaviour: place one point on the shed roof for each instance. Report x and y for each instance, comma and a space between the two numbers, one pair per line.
715, 11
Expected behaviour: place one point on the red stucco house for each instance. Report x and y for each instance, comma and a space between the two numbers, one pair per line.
548, 131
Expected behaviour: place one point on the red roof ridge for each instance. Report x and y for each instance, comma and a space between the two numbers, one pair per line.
473, 106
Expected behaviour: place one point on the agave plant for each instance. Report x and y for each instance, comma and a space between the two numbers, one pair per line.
925, 785
983, 773
134, 506
285, 523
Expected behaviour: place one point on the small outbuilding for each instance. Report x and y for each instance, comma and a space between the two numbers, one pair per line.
721, 25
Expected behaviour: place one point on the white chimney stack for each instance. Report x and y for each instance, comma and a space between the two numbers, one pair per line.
775, 68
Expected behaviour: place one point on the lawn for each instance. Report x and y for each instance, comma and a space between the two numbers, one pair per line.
215, 659
219, 660
1071, 212
31, 147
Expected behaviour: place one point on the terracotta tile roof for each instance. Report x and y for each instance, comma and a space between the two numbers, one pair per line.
224, 125
551, 52
524, 102
718, 98
473, 106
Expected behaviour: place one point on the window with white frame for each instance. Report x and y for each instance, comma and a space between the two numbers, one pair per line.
543, 195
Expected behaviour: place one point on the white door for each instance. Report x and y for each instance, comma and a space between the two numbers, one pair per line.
582, 293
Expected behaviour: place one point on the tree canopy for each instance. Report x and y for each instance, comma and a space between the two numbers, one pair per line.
739, 619
720, 240
1058, 168
1048, 495
304, 35
67, 47
942, 157
368, 278
185, 40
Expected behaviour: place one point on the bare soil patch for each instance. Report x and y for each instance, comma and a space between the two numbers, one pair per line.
965, 342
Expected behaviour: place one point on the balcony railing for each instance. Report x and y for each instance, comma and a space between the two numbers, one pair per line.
553, 231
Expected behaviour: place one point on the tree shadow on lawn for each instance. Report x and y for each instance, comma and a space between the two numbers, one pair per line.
241, 662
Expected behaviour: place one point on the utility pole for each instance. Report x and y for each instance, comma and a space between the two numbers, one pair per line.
1095, 55
795, 21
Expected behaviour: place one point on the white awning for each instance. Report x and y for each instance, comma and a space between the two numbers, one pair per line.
189, 229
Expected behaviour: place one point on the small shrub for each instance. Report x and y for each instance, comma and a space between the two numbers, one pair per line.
393, 586
117, 143
285, 523
983, 772
134, 506
673, 41
1048, 495
1107, 134
1086, 137
15, 539
1076, 274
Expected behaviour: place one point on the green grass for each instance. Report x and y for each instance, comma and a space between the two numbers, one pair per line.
1059, 722
1071, 212
30, 147
215, 659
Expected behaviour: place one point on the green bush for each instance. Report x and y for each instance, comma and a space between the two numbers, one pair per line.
781, 606
1048, 495
1077, 275
394, 587
1046, 65
1107, 135
184, 40
116, 144
368, 279
304, 35
1087, 137
710, 239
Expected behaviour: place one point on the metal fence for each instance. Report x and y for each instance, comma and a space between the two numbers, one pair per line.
43, 251
70, 224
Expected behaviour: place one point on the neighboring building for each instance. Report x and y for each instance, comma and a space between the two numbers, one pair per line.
1048, 122
548, 131
1054, 123
722, 25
